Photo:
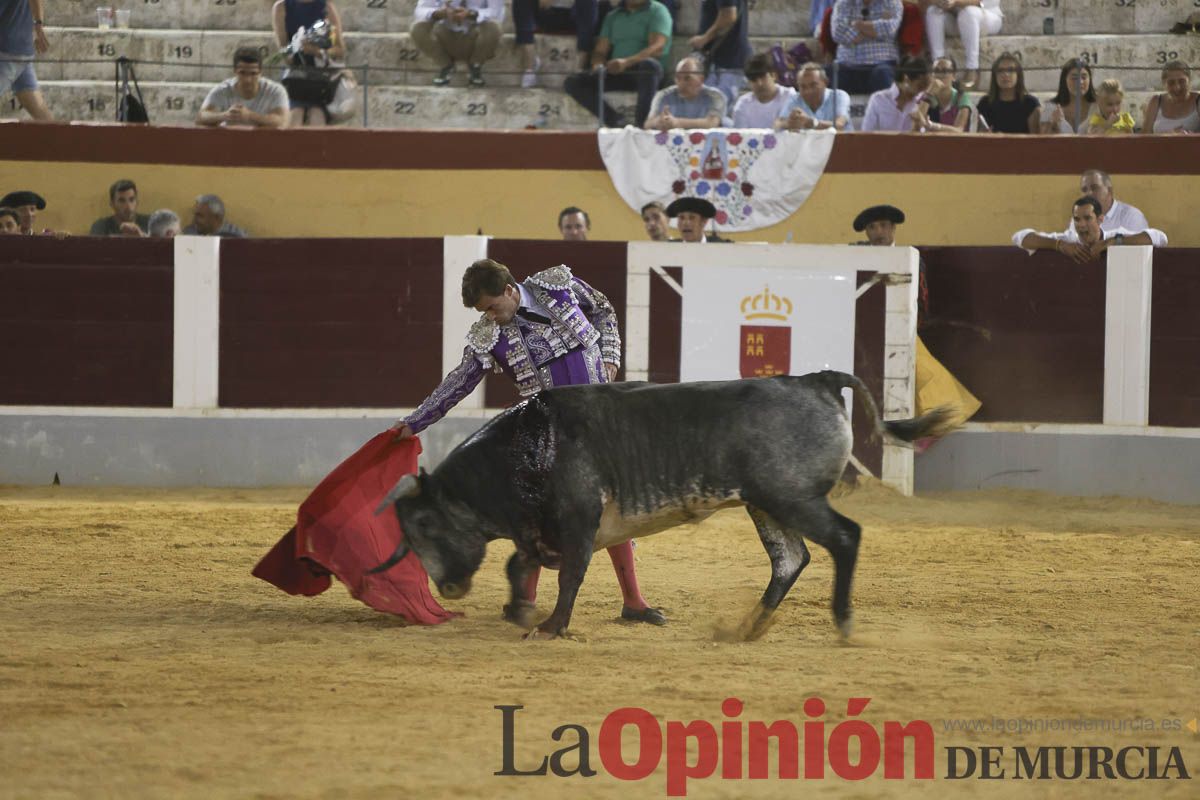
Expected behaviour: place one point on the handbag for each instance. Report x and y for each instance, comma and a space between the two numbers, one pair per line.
130, 108
311, 85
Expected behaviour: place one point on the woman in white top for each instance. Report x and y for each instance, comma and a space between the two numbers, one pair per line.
972, 19
1070, 109
1178, 110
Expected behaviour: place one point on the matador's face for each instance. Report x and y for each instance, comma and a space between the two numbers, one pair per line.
500, 308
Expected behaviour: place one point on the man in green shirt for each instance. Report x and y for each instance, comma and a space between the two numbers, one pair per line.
123, 199
631, 52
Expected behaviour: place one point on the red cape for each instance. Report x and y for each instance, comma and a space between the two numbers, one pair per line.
337, 532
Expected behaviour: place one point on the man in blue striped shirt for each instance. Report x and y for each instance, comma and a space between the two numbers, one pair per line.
865, 32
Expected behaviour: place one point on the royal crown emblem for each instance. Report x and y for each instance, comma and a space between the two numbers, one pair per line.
766, 350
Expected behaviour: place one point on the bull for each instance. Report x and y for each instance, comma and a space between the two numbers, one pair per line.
579, 468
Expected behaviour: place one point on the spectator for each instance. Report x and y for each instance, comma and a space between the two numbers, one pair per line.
815, 106
247, 98
654, 217
164, 224
1098, 184
1178, 109
580, 17
689, 103
287, 18
724, 39
693, 215
1086, 239
208, 219
632, 51
766, 100
123, 200
1107, 117
895, 109
458, 30
574, 224
1069, 110
865, 32
1008, 107
972, 19
27, 205
946, 108
22, 34
10, 222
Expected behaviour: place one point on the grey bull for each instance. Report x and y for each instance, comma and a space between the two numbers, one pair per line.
579, 468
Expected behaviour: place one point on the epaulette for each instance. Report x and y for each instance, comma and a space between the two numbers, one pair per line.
483, 335
554, 278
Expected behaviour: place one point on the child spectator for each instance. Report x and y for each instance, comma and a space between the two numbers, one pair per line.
1107, 118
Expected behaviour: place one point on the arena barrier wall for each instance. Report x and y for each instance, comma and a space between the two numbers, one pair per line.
259, 362
967, 190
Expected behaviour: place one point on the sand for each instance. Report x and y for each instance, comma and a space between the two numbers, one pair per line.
139, 658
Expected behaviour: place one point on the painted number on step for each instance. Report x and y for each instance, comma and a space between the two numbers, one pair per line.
404, 107
173, 103
476, 109
185, 51
409, 54
548, 110
107, 50
560, 54
380, 4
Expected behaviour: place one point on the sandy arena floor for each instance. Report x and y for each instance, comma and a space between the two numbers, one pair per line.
141, 659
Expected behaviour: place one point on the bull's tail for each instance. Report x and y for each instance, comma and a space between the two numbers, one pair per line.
937, 422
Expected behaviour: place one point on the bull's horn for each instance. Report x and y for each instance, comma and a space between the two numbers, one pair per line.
408, 486
401, 552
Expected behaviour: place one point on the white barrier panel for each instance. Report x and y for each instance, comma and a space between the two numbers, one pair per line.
197, 321
758, 322
1127, 335
458, 253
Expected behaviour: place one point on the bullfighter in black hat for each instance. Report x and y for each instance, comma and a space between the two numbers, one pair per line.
26, 204
693, 214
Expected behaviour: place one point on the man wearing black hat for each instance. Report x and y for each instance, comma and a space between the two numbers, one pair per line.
879, 223
935, 385
26, 204
693, 214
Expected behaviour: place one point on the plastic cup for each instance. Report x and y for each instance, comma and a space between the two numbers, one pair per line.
122, 17
104, 18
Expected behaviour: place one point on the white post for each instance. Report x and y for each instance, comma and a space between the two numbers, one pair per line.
899, 370
196, 326
458, 253
636, 336
1127, 336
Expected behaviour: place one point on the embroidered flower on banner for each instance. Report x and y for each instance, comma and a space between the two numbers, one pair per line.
714, 165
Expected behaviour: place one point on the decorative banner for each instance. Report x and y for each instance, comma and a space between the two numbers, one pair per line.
749, 323
755, 178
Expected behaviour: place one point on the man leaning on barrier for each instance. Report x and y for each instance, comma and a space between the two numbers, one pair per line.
1087, 239
630, 53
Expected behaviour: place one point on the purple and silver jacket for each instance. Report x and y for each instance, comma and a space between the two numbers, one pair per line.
572, 349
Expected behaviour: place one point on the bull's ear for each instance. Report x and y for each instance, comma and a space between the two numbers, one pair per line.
408, 486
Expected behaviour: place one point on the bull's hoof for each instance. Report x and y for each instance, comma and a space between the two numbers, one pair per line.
845, 626
654, 616
540, 634
520, 614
